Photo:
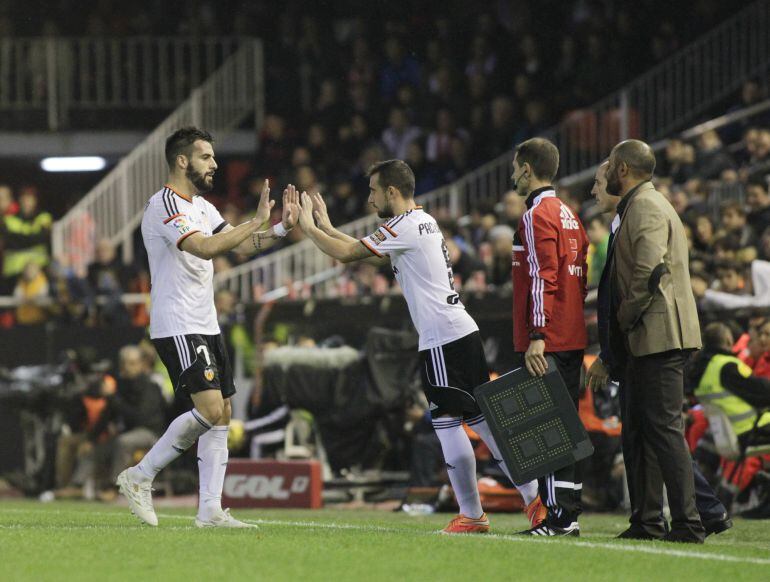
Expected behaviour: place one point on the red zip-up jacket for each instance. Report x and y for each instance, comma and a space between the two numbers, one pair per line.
549, 275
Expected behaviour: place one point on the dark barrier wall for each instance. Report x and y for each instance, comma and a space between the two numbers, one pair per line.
43, 344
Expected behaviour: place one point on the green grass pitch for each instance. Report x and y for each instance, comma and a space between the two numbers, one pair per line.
89, 541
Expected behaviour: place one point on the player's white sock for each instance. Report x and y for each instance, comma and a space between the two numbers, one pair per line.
528, 490
461, 464
180, 435
212, 464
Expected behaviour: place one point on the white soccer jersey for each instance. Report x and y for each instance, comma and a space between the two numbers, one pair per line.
420, 261
182, 291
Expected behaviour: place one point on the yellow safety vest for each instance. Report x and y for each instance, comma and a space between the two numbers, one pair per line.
710, 390
14, 260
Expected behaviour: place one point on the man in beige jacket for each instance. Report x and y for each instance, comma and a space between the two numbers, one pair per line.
653, 325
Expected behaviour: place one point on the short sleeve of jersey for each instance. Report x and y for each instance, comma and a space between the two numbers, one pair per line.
215, 218
175, 227
388, 239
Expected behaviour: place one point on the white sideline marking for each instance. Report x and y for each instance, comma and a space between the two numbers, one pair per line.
640, 549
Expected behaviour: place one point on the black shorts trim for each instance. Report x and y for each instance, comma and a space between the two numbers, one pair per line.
196, 362
459, 366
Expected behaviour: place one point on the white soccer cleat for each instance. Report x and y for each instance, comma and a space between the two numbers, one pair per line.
224, 519
139, 496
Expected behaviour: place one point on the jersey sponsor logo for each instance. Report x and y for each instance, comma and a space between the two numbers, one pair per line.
181, 224
575, 270
568, 220
377, 237
264, 487
428, 228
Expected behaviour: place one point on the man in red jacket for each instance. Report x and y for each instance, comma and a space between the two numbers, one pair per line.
549, 288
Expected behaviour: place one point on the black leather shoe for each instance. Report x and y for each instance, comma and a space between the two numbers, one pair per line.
682, 537
716, 525
637, 533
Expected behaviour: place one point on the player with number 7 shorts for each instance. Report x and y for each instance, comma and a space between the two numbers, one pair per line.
182, 232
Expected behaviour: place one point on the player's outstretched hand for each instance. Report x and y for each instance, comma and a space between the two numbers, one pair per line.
534, 358
291, 208
306, 213
265, 205
320, 212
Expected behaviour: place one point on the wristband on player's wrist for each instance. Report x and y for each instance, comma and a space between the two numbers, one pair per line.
279, 230
536, 335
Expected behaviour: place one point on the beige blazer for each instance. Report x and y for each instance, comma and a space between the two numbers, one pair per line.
650, 277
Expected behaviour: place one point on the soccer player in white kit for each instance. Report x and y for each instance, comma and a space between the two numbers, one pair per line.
449, 340
182, 232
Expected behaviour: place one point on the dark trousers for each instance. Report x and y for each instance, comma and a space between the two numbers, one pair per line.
654, 448
560, 491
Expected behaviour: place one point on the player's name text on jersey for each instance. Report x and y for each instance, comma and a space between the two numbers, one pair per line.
428, 228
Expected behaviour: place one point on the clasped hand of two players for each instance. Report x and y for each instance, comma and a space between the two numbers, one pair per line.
290, 213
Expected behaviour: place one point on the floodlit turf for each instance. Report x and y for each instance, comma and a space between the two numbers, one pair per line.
88, 541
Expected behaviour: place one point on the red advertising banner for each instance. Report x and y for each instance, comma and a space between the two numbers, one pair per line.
271, 483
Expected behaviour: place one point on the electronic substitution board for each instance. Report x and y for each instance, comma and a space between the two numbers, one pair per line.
534, 422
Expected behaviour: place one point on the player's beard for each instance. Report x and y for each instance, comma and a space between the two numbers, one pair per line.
199, 180
385, 212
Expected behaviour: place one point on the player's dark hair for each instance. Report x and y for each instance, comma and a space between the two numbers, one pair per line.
396, 173
541, 155
181, 141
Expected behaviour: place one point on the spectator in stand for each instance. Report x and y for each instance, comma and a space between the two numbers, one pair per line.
274, 146
109, 278
757, 355
427, 175
731, 278
758, 201
438, 147
137, 407
499, 136
483, 60
26, 236
329, 109
734, 222
467, 269
399, 134
499, 269
362, 68
712, 158
513, 209
82, 431
31, 291
679, 161
759, 160
399, 69
599, 236
8, 206
703, 234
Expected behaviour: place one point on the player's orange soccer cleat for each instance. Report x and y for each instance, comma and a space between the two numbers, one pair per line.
536, 512
466, 525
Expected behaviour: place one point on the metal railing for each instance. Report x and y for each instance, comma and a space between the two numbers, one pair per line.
671, 94
113, 208
57, 76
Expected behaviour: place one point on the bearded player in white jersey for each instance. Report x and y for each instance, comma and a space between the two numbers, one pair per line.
449, 340
182, 232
